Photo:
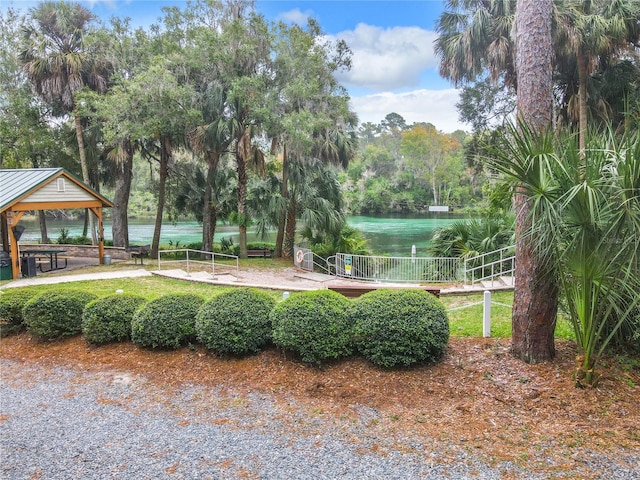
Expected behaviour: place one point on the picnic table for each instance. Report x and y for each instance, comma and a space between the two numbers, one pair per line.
46, 256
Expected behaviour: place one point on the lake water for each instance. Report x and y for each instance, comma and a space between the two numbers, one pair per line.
386, 235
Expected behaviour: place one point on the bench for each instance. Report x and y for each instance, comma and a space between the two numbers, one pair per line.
353, 291
138, 252
260, 253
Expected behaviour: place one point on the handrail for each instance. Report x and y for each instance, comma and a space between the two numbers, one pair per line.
189, 261
501, 262
326, 269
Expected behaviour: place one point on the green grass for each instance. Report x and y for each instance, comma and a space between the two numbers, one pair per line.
147, 287
467, 322
464, 322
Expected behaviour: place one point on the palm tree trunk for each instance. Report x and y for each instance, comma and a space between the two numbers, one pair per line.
85, 172
119, 215
43, 227
284, 191
582, 100
165, 156
290, 231
209, 216
535, 295
241, 169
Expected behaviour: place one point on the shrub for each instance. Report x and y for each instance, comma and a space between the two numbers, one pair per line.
11, 304
166, 322
236, 322
399, 327
56, 314
313, 324
108, 319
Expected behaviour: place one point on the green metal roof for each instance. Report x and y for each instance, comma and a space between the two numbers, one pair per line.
16, 183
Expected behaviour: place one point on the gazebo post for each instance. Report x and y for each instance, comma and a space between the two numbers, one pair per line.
98, 213
15, 258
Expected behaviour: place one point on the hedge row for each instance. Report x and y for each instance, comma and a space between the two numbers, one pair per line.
391, 328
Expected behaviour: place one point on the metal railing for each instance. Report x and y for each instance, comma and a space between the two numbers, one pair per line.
398, 269
489, 266
306, 259
198, 257
486, 267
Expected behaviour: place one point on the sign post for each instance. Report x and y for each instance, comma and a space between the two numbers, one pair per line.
347, 265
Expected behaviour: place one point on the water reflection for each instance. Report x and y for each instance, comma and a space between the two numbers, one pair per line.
386, 235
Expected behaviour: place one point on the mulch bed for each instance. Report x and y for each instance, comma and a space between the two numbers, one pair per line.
478, 397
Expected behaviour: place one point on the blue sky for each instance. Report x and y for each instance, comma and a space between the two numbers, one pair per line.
394, 67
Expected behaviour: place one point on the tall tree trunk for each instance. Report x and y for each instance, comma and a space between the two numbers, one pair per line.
284, 192
209, 216
165, 157
241, 169
85, 173
290, 231
582, 100
434, 187
536, 295
119, 215
43, 227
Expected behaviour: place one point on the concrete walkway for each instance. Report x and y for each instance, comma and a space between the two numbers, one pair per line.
292, 279
80, 277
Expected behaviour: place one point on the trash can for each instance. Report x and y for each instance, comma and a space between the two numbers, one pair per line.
106, 259
29, 267
6, 272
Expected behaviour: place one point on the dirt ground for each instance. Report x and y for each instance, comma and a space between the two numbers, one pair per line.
478, 397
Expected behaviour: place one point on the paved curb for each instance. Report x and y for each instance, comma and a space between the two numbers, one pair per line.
51, 280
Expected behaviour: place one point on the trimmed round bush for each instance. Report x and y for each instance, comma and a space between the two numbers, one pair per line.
394, 328
315, 325
166, 322
108, 319
11, 305
56, 314
236, 322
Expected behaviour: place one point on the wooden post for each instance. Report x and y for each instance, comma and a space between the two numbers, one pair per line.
98, 213
15, 257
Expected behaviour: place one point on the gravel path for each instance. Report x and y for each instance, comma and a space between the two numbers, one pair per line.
66, 424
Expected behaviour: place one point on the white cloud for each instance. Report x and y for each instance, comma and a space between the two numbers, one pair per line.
433, 106
388, 58
295, 16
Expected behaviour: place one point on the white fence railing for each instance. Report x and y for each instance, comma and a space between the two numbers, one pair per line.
305, 259
490, 266
487, 267
398, 269
192, 258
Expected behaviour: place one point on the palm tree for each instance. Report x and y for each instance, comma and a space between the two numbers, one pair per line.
474, 37
333, 146
58, 63
589, 29
585, 222
314, 197
211, 139
470, 238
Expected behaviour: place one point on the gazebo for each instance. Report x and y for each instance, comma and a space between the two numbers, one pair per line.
33, 189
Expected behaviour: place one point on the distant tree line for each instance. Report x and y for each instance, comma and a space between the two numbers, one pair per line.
404, 168
234, 117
